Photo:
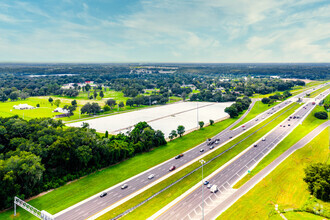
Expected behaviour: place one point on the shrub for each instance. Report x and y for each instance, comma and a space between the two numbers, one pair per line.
321, 115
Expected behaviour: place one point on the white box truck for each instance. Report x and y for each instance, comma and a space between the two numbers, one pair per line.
214, 189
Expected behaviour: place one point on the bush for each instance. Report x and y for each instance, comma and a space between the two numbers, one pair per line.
265, 100
321, 115
317, 179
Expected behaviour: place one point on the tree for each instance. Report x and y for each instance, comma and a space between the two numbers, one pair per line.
38, 105
232, 111
121, 104
106, 108
95, 94
57, 102
50, 100
90, 97
3, 97
317, 178
265, 100
23, 95
321, 115
111, 103
74, 102
13, 96
106, 135
70, 108
211, 122
201, 124
101, 94
173, 134
181, 130
130, 102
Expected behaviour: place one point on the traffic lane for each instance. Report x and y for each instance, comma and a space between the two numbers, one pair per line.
254, 180
229, 173
163, 172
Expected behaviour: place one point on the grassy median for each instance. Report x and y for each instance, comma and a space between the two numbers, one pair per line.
151, 207
70, 194
257, 109
319, 91
309, 124
284, 186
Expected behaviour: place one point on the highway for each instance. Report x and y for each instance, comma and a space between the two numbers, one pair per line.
216, 211
95, 204
190, 207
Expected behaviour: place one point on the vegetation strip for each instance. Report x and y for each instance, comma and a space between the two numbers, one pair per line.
196, 166
299, 132
290, 191
69, 194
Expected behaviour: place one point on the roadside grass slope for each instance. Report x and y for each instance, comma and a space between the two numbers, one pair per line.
284, 186
309, 124
158, 202
68, 195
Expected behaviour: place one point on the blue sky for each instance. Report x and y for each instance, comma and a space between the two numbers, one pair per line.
165, 31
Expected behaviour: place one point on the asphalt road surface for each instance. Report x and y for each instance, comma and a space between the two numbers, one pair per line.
260, 175
94, 205
186, 208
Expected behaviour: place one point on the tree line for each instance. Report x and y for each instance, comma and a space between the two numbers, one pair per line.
41, 154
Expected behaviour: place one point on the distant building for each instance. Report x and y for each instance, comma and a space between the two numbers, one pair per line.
61, 110
275, 77
23, 107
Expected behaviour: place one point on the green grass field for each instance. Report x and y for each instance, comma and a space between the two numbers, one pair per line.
145, 211
309, 124
283, 186
46, 109
258, 108
83, 188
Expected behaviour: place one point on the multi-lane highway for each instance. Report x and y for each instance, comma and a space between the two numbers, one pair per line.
115, 194
190, 207
217, 210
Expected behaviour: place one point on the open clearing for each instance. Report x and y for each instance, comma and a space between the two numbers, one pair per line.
164, 118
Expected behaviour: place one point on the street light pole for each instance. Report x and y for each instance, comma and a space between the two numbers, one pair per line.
202, 162
197, 115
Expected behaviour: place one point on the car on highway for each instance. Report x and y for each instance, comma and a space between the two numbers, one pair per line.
172, 168
151, 176
211, 147
255, 145
201, 150
206, 182
124, 186
230, 137
178, 156
217, 141
288, 124
256, 119
209, 186
214, 189
263, 139
103, 194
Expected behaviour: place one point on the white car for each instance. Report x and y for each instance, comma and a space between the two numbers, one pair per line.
209, 186
263, 139
124, 186
201, 150
151, 176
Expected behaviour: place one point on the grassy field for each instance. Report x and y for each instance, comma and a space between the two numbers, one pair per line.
283, 186
258, 108
46, 109
309, 124
167, 196
83, 188
319, 91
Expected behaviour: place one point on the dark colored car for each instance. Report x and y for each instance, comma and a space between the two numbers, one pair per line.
211, 147
206, 182
103, 194
255, 145
179, 156
172, 168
